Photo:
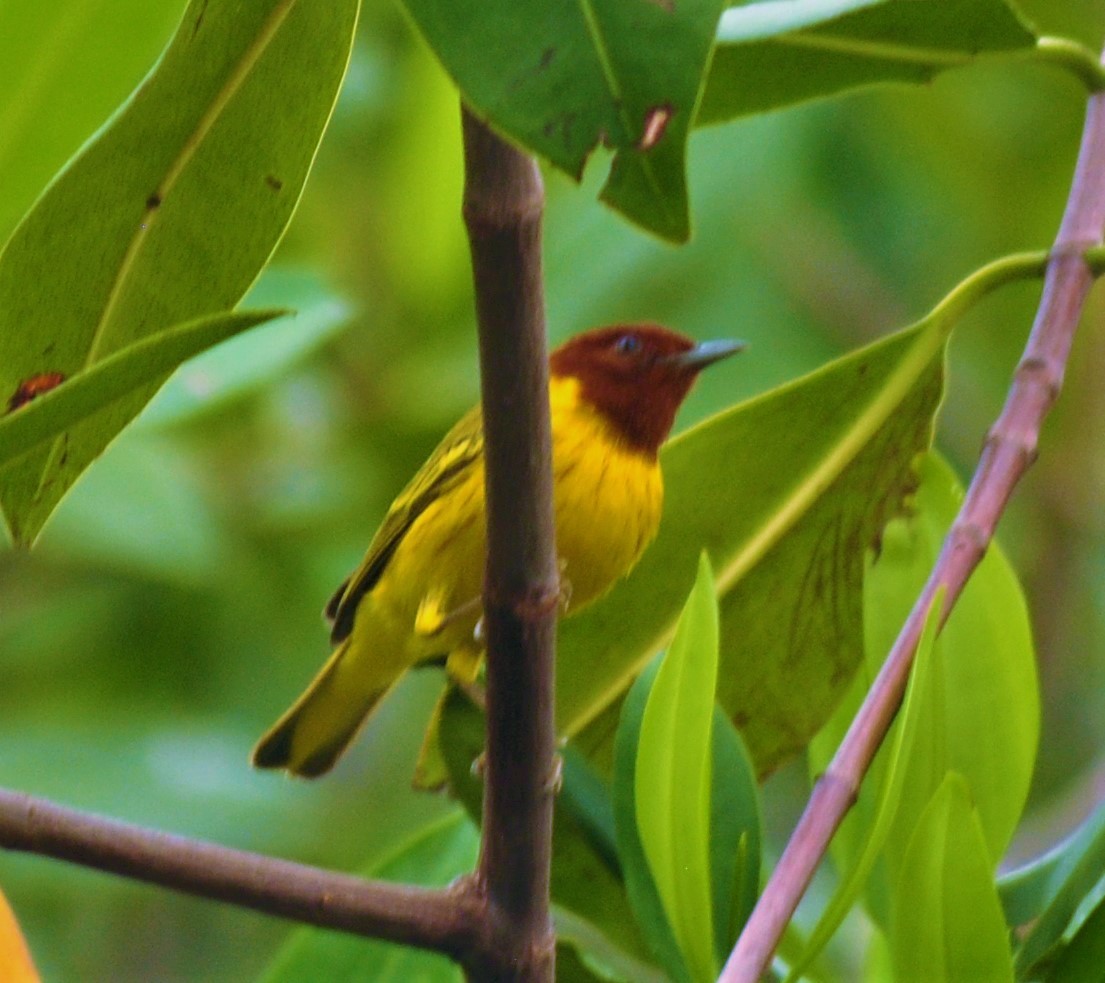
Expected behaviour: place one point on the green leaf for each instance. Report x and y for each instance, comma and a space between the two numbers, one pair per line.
168, 215
947, 923
562, 78
115, 377
786, 516
47, 106
736, 833
1073, 871
981, 717
1083, 959
915, 706
779, 52
256, 359
433, 857
1028, 891
672, 777
640, 885
991, 710
584, 954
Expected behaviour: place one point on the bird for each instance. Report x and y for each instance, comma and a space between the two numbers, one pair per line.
416, 596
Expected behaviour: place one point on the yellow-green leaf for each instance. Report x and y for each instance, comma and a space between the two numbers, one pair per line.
673, 777
167, 215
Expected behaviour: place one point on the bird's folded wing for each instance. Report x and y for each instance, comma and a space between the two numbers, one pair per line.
449, 465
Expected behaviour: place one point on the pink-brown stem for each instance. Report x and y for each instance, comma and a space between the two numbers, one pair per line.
1009, 450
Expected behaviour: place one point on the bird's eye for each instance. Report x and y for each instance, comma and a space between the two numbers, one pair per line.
627, 344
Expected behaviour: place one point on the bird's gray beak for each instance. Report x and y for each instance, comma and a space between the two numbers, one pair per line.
705, 353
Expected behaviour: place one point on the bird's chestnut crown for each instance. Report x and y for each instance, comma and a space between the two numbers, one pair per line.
636, 376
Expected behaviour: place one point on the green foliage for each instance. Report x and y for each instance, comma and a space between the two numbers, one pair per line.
686, 806
562, 79
972, 707
172, 605
169, 214
900, 757
816, 49
1051, 892
947, 924
121, 374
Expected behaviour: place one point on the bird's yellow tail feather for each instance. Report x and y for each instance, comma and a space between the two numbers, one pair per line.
313, 733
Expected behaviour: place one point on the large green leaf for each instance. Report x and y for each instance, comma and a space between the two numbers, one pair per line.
888, 780
1083, 959
786, 492
433, 857
59, 86
561, 78
672, 777
980, 716
947, 925
1064, 881
104, 382
780, 52
169, 214
735, 836
1028, 890
258, 358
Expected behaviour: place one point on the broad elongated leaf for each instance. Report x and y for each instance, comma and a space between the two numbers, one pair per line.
256, 359
46, 110
915, 706
735, 837
786, 513
779, 52
1029, 890
982, 718
1079, 866
947, 924
168, 215
1084, 956
433, 857
562, 78
672, 777
114, 378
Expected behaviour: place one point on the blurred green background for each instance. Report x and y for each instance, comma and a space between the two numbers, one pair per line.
171, 609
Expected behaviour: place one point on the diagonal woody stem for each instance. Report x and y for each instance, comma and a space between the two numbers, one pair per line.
1010, 449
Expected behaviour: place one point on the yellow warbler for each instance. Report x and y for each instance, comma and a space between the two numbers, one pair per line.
613, 397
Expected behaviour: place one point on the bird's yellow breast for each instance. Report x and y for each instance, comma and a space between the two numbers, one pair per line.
607, 498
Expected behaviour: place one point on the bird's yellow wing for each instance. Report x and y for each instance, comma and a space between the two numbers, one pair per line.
450, 464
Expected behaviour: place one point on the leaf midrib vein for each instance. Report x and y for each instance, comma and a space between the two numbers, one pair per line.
233, 84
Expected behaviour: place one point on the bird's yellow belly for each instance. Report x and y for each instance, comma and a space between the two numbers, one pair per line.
607, 500
608, 503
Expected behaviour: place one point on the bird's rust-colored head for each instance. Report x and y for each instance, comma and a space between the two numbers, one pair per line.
636, 376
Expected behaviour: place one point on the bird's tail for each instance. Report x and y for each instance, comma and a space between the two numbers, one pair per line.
313, 733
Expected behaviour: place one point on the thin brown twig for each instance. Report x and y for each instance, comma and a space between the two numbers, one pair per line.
1009, 450
446, 921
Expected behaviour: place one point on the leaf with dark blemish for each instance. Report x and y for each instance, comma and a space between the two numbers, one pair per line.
35, 386
180, 227
606, 65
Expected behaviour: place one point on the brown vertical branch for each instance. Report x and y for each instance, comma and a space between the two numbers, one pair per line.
1009, 450
503, 202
